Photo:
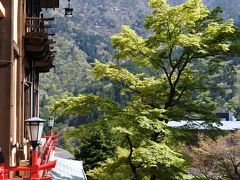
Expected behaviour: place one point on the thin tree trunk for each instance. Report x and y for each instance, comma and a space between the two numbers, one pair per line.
132, 166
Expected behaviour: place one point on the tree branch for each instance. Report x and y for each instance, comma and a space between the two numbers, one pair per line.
170, 55
181, 94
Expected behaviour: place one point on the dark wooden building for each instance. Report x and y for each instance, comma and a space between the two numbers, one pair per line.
25, 51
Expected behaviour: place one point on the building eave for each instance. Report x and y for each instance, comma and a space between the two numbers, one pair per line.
201, 125
2, 10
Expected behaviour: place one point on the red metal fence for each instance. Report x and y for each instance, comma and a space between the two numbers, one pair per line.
40, 163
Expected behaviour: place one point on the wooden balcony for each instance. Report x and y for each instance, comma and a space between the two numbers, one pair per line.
38, 44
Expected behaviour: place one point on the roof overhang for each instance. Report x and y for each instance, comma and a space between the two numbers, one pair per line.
2, 10
201, 125
49, 3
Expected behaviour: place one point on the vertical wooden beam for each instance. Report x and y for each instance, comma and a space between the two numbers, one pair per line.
21, 31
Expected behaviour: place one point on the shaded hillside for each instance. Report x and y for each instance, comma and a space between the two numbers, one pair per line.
86, 36
94, 21
230, 8
106, 16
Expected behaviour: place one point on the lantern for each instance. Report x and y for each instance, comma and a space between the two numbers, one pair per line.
68, 10
34, 127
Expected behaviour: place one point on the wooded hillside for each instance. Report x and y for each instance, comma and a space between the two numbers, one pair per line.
86, 36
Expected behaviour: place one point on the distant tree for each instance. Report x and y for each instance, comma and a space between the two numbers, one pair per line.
218, 159
180, 37
90, 143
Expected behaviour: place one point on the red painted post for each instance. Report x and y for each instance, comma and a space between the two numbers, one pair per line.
3, 174
35, 171
1, 171
51, 133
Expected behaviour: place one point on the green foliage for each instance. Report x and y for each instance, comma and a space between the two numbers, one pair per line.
113, 169
74, 105
148, 160
159, 160
181, 37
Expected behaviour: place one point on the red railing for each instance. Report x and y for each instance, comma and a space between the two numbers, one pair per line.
40, 164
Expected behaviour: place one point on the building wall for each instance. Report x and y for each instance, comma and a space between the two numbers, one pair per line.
19, 76
17, 121
12, 29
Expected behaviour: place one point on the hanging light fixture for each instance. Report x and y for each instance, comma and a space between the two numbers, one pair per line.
34, 128
51, 122
68, 10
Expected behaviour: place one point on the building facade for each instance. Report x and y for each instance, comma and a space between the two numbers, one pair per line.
25, 52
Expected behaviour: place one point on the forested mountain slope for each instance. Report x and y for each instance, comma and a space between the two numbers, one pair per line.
86, 36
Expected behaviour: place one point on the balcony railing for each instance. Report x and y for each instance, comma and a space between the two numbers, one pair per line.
38, 44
